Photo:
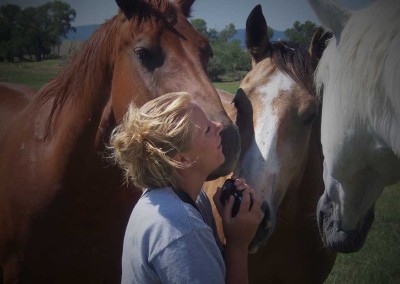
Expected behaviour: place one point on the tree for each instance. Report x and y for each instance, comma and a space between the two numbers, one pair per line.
33, 30
301, 33
8, 25
200, 25
228, 32
270, 32
229, 59
61, 15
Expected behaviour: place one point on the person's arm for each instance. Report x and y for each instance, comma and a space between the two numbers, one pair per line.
236, 264
239, 231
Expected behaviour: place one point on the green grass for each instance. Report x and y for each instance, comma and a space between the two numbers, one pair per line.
36, 74
230, 87
33, 74
377, 262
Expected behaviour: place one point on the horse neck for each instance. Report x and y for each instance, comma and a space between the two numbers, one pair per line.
77, 96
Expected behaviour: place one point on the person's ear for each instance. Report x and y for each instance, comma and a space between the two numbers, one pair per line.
183, 158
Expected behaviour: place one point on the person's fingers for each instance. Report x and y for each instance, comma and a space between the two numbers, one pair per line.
245, 204
227, 210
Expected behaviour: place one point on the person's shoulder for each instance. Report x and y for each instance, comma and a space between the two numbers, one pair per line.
161, 218
161, 209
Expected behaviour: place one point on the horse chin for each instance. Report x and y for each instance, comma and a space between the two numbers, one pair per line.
264, 230
231, 149
336, 238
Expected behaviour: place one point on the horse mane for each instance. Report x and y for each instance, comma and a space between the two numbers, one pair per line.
362, 69
84, 71
294, 60
97, 56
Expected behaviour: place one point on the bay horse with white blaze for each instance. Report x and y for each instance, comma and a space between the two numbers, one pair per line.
281, 158
359, 73
63, 206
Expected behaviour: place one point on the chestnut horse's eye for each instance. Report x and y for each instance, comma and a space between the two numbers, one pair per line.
150, 58
308, 114
142, 54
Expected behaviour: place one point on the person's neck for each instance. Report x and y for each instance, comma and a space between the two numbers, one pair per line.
191, 183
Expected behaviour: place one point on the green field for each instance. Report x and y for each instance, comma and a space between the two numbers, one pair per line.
33, 74
377, 262
230, 87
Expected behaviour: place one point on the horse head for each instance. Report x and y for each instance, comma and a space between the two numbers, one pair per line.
359, 132
159, 51
276, 112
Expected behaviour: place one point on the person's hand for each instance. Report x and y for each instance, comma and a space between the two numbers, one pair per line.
240, 230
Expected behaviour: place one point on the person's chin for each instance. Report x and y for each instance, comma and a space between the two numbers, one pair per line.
222, 159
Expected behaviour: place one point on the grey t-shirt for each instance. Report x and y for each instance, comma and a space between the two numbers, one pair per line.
167, 241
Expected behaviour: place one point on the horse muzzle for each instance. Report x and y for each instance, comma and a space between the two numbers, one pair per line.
231, 149
264, 230
333, 236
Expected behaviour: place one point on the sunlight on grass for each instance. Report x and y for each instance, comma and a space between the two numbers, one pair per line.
230, 87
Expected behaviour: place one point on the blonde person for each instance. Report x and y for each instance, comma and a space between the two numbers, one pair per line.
168, 147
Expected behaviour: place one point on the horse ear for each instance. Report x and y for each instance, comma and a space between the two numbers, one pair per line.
185, 6
127, 7
319, 43
331, 15
257, 39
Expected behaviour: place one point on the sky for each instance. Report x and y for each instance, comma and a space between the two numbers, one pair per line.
280, 14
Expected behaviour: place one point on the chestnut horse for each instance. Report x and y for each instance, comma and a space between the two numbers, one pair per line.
360, 76
63, 206
279, 123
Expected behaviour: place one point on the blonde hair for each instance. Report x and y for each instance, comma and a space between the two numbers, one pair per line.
145, 143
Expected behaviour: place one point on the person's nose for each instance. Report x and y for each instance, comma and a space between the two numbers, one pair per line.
218, 127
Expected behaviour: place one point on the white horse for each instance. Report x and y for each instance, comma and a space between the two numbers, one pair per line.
359, 74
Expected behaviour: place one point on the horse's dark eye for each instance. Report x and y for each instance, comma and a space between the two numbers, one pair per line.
150, 58
308, 113
142, 54
310, 119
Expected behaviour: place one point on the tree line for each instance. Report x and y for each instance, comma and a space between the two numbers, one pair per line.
33, 31
230, 60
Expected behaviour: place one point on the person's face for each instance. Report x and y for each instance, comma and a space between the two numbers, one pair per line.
206, 148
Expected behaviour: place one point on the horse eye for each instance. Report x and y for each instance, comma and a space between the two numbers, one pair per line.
142, 54
150, 57
310, 119
308, 114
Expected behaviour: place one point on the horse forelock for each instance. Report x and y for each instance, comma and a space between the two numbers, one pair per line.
154, 13
362, 71
294, 60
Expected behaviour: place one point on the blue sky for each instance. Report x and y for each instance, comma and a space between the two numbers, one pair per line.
280, 14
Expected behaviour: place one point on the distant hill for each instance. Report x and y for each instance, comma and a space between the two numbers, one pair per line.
84, 32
